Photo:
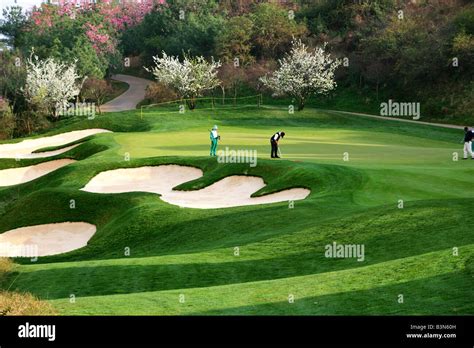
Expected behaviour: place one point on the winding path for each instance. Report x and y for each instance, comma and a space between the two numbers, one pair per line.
130, 98
443, 125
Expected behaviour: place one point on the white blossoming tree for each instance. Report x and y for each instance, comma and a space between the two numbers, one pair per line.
190, 78
50, 85
303, 72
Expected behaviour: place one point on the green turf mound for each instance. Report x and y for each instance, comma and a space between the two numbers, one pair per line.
131, 211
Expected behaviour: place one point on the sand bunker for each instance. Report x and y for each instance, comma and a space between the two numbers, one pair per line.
159, 179
15, 176
25, 148
43, 240
232, 191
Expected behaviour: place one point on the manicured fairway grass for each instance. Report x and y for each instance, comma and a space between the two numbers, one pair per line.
176, 251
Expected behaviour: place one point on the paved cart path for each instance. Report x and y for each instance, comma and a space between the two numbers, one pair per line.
130, 98
444, 125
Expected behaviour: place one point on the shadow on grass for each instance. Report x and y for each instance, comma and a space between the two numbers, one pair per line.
447, 294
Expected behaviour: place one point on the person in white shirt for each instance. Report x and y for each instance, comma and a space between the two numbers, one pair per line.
214, 138
274, 143
468, 137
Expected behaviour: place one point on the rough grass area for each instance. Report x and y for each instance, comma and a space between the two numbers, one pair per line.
15, 303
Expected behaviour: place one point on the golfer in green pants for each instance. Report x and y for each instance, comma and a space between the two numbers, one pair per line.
214, 138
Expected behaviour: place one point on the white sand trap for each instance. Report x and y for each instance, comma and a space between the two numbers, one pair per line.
159, 179
25, 148
232, 191
15, 176
43, 240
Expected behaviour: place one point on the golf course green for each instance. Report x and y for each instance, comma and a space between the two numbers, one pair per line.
392, 187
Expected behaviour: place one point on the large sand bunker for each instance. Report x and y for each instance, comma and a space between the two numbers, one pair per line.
232, 191
159, 179
25, 148
43, 240
15, 176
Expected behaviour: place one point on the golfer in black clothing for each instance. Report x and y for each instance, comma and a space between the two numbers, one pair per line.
468, 136
274, 142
